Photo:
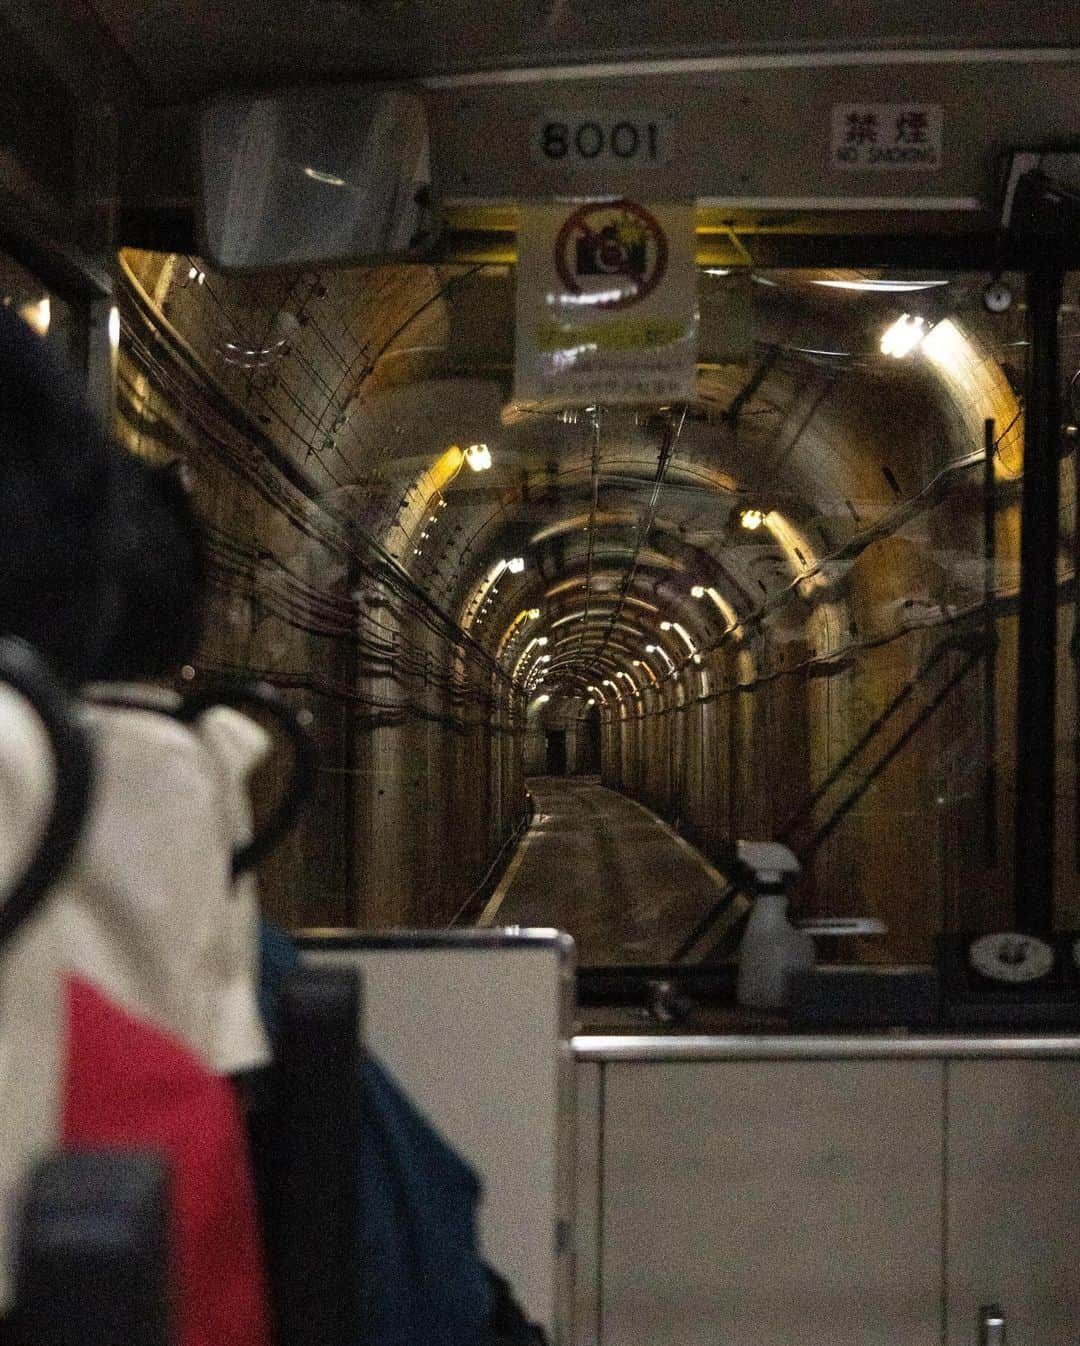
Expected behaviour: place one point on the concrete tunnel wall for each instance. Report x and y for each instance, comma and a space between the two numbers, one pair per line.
421, 782
735, 747
358, 566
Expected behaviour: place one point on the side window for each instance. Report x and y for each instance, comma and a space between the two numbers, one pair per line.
49, 315
82, 330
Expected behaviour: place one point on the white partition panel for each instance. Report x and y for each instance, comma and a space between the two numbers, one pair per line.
476, 1026
1014, 1199
766, 1203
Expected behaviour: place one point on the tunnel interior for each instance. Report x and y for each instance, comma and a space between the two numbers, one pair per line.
786, 609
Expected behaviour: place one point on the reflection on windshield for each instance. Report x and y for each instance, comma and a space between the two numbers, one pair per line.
785, 610
823, 650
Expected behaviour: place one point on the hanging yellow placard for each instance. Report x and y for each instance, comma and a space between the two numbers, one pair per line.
606, 304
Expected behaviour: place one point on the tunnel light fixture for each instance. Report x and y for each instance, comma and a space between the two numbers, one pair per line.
652, 649
591, 701
665, 626
516, 565
752, 519
541, 640
698, 591
815, 350
729, 613
478, 456
327, 179
685, 636
532, 645
38, 315
698, 658
905, 335
718, 270
534, 614
881, 286
640, 663
541, 699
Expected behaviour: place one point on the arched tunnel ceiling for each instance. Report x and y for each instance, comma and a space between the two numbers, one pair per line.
374, 380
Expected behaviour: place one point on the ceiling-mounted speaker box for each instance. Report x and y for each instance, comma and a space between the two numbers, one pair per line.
312, 176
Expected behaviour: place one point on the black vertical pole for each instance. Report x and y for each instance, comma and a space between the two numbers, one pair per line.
1074, 643
311, 1174
1033, 861
990, 852
1074, 651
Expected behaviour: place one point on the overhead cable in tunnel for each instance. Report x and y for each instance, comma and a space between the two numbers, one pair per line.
668, 444
947, 478
594, 483
365, 551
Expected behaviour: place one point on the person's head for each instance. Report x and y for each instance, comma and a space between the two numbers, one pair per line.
163, 570
101, 558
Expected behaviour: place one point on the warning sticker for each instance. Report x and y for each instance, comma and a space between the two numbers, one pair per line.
887, 136
606, 304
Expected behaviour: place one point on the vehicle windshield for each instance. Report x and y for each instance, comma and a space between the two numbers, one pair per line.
786, 610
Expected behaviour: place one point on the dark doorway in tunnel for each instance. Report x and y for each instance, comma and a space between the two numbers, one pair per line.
555, 752
589, 762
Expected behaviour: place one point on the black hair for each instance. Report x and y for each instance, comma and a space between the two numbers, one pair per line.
102, 566
164, 570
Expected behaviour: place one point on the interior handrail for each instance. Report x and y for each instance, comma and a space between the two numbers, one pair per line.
246, 696
22, 669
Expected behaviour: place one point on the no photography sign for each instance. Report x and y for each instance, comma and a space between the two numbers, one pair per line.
606, 304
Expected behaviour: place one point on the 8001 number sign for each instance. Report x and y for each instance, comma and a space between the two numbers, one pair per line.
577, 142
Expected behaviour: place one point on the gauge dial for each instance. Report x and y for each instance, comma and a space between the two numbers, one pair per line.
1011, 958
997, 297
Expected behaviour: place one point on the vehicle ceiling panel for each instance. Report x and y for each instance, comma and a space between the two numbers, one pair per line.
187, 48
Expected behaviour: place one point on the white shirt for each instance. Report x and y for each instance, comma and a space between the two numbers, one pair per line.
147, 909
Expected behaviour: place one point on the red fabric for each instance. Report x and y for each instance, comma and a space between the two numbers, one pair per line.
129, 1084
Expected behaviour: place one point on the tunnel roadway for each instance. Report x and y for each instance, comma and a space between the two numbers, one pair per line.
605, 869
